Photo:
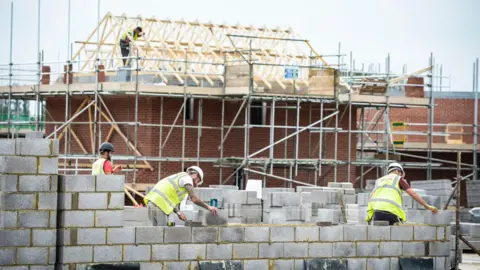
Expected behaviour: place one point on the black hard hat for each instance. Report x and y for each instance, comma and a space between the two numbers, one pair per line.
106, 146
139, 29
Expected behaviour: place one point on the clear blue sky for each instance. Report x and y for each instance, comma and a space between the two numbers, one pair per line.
408, 30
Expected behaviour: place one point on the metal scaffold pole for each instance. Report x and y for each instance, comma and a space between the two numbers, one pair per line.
39, 76
97, 87
67, 81
160, 140
430, 118
135, 143
9, 110
475, 115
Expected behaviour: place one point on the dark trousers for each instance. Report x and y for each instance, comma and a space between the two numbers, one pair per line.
125, 49
385, 216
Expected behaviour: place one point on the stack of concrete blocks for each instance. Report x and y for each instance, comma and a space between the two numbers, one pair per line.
370, 185
91, 218
362, 202
275, 216
473, 189
133, 216
471, 232
439, 188
28, 203
243, 207
287, 208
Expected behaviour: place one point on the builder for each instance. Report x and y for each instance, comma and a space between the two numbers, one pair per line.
386, 199
125, 42
169, 192
103, 165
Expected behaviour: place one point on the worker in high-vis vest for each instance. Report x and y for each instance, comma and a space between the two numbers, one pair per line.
125, 42
385, 202
103, 165
165, 198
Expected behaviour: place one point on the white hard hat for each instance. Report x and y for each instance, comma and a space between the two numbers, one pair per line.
199, 171
395, 166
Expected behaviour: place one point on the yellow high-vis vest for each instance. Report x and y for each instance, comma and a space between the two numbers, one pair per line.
97, 167
387, 196
131, 33
167, 193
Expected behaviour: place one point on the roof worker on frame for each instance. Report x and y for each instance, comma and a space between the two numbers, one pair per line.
165, 198
103, 165
385, 202
125, 42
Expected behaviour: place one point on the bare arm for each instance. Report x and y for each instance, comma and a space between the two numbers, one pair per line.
417, 197
194, 197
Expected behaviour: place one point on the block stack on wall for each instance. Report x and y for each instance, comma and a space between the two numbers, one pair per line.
28, 202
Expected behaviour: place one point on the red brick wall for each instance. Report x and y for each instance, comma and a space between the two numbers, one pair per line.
123, 108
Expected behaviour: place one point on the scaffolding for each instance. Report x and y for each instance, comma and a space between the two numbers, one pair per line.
192, 60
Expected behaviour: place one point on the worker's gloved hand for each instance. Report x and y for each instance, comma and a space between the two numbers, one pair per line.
214, 210
181, 216
433, 209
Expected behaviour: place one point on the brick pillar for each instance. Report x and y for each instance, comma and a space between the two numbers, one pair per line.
45, 77
28, 203
415, 91
91, 217
67, 69
101, 73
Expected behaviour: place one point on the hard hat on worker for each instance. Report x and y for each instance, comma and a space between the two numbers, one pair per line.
395, 166
198, 171
106, 146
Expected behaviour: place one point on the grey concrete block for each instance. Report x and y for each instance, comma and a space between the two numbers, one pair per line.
193, 252
110, 183
77, 183
282, 264
204, 235
355, 233
92, 201
121, 235
296, 250
388, 249
136, 253
298, 265
368, 249
375, 263
220, 219
151, 266
282, 234
34, 135
93, 236
219, 252
235, 196
245, 251
107, 253
165, 252
8, 219
394, 264
255, 264
53, 219
27, 147
16, 164
42, 267
12, 238
331, 233
44, 237
376, 233
252, 198
48, 165
413, 249
272, 251
76, 254
320, 250
116, 200
306, 234
77, 219
345, 249
401, 233
424, 233
65, 201
177, 234
442, 218
257, 234
441, 233
357, 264
176, 265
47, 201
9, 183
149, 235
19, 201
52, 251
33, 219
8, 256
7, 147
34, 183
286, 199
109, 218
32, 255
231, 234
439, 263
438, 248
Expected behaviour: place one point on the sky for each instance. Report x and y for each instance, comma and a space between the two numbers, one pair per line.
408, 30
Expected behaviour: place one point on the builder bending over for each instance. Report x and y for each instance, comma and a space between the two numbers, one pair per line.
103, 165
169, 192
125, 42
386, 199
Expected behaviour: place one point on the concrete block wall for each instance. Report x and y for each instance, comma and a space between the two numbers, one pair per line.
262, 247
28, 203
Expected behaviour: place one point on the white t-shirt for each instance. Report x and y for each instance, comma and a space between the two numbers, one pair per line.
185, 180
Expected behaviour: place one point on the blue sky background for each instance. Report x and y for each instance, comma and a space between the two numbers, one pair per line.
408, 30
